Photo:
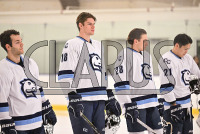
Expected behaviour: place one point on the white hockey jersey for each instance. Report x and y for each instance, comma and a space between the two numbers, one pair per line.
17, 95
71, 60
180, 69
144, 95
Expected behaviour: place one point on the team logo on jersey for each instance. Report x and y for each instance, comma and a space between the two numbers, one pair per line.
186, 76
28, 88
167, 61
95, 61
66, 45
119, 58
146, 71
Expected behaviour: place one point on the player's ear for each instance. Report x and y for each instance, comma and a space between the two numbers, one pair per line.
135, 41
177, 45
8, 47
80, 25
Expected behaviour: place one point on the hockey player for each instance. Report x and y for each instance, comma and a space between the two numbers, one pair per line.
21, 110
87, 97
134, 67
178, 108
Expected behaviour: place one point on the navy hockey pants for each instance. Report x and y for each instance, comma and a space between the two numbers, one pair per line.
185, 128
149, 116
94, 111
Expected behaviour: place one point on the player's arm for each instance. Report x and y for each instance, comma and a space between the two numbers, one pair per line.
122, 85
48, 114
7, 123
176, 110
68, 63
167, 85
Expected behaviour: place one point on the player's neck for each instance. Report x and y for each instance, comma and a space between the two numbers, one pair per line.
175, 52
13, 58
85, 36
135, 48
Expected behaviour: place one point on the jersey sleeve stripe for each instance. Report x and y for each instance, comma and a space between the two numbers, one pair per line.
123, 85
62, 72
166, 87
65, 76
4, 104
4, 109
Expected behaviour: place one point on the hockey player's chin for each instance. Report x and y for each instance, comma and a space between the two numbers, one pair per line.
22, 51
183, 55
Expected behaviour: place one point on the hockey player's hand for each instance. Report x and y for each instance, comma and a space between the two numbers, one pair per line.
177, 113
112, 105
132, 112
75, 106
48, 114
8, 127
161, 106
194, 84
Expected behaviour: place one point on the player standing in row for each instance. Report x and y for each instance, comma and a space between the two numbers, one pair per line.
178, 108
21, 110
86, 97
135, 104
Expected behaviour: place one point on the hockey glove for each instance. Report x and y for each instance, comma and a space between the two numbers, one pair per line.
161, 106
48, 114
112, 105
177, 113
8, 127
132, 112
75, 106
194, 84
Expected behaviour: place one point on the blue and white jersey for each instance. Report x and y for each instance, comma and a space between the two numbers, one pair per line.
71, 59
143, 95
180, 69
18, 99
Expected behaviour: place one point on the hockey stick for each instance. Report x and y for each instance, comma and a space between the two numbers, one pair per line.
90, 123
146, 126
165, 124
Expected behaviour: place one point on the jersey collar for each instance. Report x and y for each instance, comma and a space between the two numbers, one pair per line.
135, 50
175, 55
84, 39
20, 63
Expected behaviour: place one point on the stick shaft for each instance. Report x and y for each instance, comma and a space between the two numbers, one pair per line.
146, 126
90, 123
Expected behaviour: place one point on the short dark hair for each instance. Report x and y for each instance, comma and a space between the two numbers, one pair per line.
182, 40
5, 38
83, 17
135, 34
